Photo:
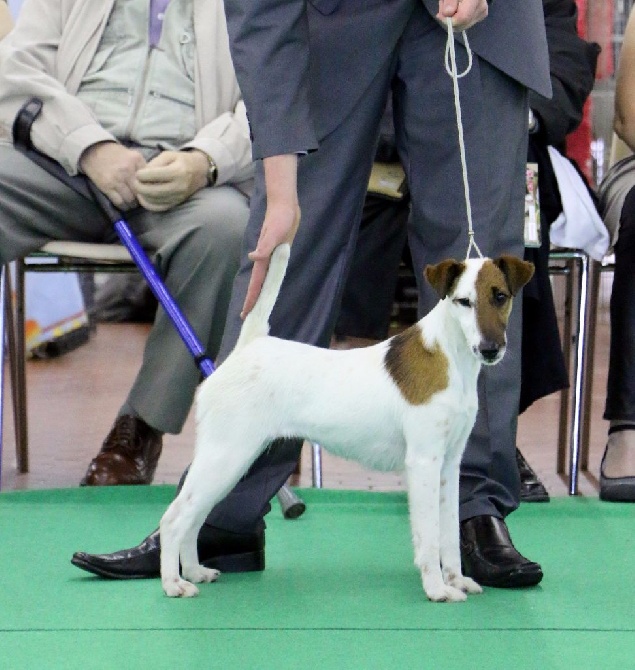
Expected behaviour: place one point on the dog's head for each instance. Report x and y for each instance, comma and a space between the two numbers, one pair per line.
480, 293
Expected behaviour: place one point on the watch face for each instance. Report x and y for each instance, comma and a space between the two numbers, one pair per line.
212, 173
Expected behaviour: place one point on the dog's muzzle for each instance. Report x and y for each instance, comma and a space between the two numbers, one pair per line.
490, 353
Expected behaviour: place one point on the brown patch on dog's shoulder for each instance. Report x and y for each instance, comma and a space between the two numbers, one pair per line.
418, 370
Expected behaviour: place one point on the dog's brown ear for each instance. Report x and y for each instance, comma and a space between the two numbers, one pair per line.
443, 276
517, 271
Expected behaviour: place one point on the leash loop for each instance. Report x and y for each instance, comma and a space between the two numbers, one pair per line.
451, 69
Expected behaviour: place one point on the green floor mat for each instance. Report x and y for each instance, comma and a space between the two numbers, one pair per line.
340, 591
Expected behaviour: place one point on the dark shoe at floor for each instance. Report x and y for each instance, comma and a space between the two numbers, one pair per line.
489, 557
129, 455
620, 488
531, 488
219, 549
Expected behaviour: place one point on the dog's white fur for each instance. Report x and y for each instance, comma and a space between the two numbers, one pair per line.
409, 402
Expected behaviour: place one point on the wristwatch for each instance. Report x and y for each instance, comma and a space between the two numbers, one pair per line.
212, 171
533, 122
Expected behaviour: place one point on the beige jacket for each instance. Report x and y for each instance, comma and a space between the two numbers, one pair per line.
6, 21
53, 44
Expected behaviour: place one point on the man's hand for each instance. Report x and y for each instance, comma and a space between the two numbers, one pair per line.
281, 220
112, 168
170, 179
464, 13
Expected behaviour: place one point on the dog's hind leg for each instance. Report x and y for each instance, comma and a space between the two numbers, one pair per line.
212, 474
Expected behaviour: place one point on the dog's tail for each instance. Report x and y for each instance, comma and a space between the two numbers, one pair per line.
257, 321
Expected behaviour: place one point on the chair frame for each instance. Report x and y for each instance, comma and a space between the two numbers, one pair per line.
597, 269
573, 423
55, 256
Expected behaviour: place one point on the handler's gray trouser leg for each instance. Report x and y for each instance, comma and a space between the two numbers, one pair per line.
196, 247
494, 113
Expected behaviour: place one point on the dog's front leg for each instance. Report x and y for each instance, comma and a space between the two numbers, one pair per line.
449, 523
424, 474
179, 530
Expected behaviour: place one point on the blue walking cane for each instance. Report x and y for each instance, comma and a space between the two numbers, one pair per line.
292, 506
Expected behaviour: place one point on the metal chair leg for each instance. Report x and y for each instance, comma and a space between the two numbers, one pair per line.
594, 297
579, 373
3, 272
563, 423
11, 348
20, 400
317, 465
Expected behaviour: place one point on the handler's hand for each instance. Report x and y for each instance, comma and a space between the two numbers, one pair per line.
281, 220
170, 179
464, 13
112, 168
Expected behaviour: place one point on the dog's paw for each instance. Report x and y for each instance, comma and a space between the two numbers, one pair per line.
444, 593
465, 584
199, 574
179, 588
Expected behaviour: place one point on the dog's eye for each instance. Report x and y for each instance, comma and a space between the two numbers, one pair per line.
464, 302
500, 298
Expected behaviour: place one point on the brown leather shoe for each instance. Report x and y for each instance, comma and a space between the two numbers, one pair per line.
129, 455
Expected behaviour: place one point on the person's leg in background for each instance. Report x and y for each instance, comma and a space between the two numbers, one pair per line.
543, 369
36, 208
369, 293
617, 471
124, 298
196, 249
494, 109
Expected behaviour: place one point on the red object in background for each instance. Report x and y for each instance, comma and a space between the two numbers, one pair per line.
581, 17
599, 28
579, 144
595, 23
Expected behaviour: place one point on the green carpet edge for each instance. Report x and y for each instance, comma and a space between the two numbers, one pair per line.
162, 494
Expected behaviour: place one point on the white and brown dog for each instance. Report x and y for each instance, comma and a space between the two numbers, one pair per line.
409, 402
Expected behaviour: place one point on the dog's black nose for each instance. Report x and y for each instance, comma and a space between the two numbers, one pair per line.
489, 354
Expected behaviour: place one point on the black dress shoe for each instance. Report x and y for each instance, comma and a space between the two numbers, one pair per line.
489, 557
531, 488
220, 549
616, 489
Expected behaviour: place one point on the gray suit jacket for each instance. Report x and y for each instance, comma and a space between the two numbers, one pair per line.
302, 67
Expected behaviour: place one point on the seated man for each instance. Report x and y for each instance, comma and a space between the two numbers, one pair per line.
143, 99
